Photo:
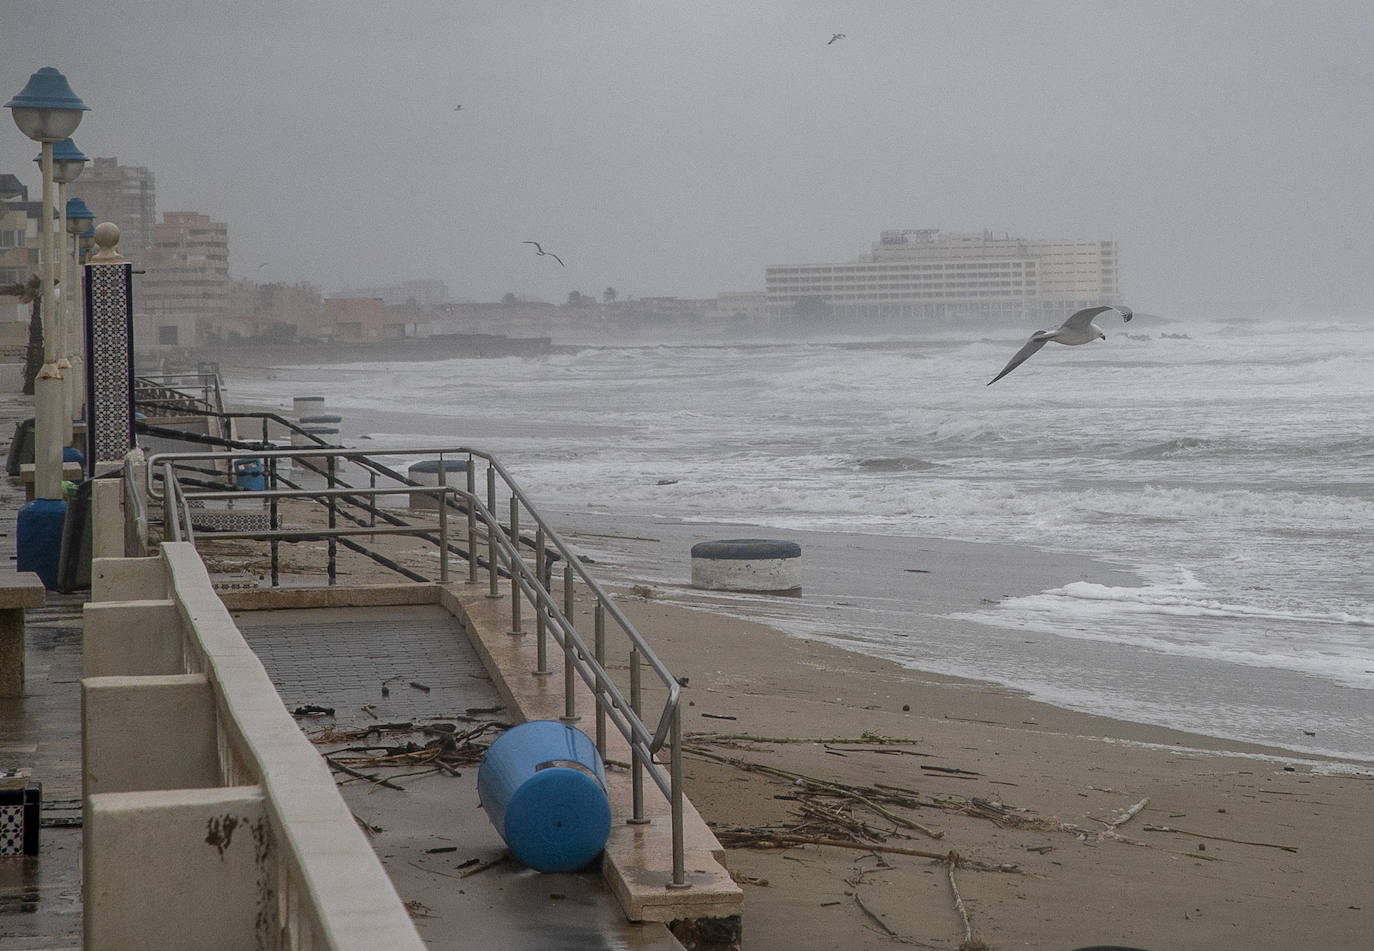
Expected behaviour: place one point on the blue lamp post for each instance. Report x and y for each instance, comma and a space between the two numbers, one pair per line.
47, 111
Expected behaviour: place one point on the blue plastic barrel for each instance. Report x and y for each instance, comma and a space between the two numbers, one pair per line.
248, 474
543, 786
38, 541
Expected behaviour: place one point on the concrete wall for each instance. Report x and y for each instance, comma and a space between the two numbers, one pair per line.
210, 820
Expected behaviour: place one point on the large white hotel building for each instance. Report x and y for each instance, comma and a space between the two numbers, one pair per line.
926, 276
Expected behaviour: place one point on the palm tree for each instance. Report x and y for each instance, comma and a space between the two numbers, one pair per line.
30, 293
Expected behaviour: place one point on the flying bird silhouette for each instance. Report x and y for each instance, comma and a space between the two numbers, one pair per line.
1077, 329
542, 252
834, 37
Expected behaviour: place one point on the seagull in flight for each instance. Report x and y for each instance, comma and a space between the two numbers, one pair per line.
542, 252
834, 37
1077, 329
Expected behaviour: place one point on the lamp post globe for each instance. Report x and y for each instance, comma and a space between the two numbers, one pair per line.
46, 110
79, 217
68, 162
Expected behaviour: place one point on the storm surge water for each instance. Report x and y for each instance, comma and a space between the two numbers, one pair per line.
1227, 466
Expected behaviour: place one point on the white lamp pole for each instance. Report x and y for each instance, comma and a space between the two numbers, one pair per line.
47, 111
79, 221
67, 164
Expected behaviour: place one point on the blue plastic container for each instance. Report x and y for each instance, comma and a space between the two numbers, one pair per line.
38, 541
248, 475
543, 786
72, 454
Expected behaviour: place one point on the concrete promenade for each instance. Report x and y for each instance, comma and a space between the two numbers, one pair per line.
444, 857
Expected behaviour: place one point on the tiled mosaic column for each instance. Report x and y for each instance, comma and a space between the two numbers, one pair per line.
109, 354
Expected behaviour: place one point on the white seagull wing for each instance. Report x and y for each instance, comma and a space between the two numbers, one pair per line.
1037, 340
1080, 322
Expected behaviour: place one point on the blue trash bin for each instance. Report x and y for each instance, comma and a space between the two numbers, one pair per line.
38, 529
543, 786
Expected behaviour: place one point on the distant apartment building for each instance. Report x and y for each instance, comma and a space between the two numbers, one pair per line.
269, 311
183, 296
18, 232
123, 194
426, 294
357, 319
18, 248
925, 276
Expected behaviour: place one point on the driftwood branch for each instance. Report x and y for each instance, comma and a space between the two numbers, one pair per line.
872, 917
1220, 838
357, 774
970, 943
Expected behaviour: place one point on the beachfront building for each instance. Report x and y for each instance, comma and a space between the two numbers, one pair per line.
184, 295
124, 194
924, 276
18, 234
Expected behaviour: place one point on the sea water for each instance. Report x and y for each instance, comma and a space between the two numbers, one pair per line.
1225, 463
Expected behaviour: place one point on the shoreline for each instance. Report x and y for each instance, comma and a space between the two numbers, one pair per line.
959, 577
1071, 829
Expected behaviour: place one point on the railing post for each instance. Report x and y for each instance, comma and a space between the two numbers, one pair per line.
472, 522
443, 532
599, 647
569, 652
492, 573
515, 624
541, 611
372, 508
331, 473
274, 521
675, 778
636, 766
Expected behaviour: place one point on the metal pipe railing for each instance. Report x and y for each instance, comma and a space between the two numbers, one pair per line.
527, 583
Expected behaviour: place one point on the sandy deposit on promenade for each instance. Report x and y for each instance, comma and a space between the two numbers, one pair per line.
1268, 851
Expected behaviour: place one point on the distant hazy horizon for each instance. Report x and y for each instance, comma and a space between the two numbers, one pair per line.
671, 149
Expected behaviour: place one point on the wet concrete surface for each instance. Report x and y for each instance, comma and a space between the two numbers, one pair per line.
40, 735
444, 856
446, 859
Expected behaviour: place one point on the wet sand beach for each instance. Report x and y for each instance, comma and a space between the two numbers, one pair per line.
1070, 829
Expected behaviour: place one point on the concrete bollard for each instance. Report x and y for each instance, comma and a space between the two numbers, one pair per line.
754, 565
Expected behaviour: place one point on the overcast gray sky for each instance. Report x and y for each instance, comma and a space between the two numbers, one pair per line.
678, 148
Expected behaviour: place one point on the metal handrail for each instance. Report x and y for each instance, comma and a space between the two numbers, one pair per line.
133, 502
531, 584
176, 385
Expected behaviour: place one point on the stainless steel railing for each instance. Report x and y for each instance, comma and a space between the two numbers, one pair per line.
528, 583
191, 393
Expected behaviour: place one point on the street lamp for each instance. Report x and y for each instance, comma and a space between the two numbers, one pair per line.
67, 165
79, 222
47, 111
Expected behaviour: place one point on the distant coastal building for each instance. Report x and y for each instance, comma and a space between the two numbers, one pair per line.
925, 276
184, 294
423, 293
18, 236
124, 194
